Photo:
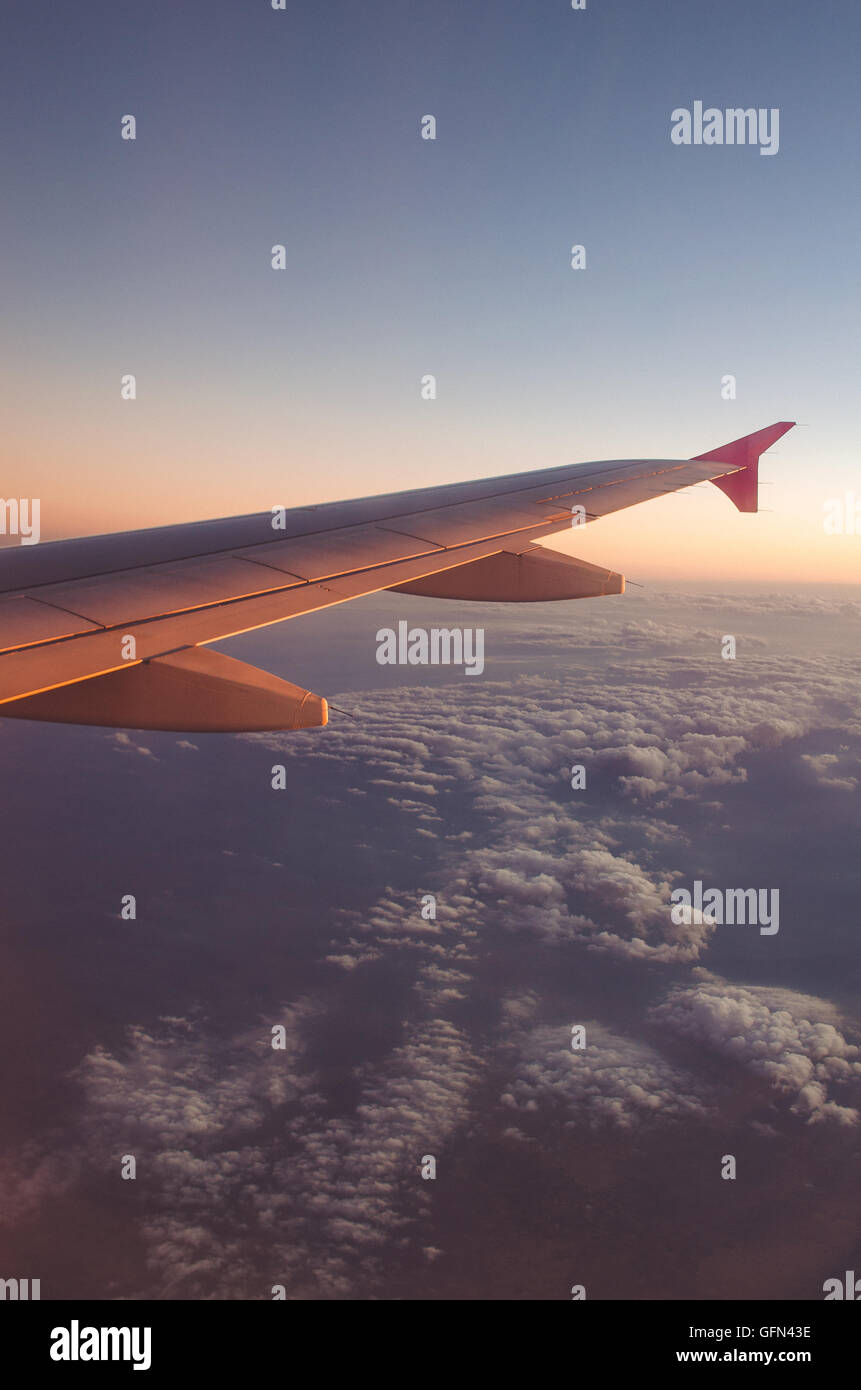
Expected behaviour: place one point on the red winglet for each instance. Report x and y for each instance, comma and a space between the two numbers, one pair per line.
742, 488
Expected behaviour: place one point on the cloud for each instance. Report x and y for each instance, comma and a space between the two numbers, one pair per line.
822, 765
299, 1167
249, 1179
614, 1081
791, 1040
654, 734
126, 744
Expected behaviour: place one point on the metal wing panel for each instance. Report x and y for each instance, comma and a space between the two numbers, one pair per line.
454, 525
25, 567
330, 553
26, 620
205, 598
602, 495
53, 664
105, 585
160, 589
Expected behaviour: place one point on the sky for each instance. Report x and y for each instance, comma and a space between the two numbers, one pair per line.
405, 256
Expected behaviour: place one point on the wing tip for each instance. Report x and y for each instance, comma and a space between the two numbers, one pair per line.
742, 456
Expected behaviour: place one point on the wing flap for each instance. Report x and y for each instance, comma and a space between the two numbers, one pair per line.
26, 620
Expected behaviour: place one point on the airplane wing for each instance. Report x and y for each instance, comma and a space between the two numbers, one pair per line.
112, 630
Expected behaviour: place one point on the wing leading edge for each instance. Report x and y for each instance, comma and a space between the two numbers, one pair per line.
111, 629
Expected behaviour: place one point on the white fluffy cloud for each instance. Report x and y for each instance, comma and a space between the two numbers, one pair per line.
823, 766
247, 1179
792, 1041
251, 1174
614, 1080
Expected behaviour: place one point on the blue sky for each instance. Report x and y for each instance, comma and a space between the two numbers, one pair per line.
407, 256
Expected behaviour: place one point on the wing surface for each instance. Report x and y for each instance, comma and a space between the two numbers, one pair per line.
103, 609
